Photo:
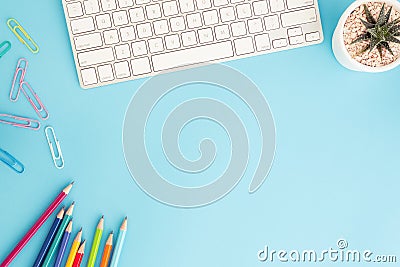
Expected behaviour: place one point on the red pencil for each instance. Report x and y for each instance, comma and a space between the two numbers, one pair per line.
36, 226
79, 255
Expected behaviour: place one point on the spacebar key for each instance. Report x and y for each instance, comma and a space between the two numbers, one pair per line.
192, 56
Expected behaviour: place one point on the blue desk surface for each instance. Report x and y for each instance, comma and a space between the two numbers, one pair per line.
335, 173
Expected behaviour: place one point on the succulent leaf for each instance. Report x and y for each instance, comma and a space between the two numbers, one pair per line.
381, 17
370, 18
387, 47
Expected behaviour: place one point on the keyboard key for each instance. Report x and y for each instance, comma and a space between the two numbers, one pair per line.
296, 40
170, 8
144, 30
186, 5
271, 22
108, 5
127, 33
312, 36
177, 24
203, 4
244, 46
227, 14
140, 66
88, 41
105, 73
205, 35
153, 11
103, 21
255, 25
125, 3
238, 29
299, 3
91, 7
120, 18
278, 43
95, 57
74, 10
160, 27
111, 37
136, 14
220, 2
189, 38
210, 17
194, 20
222, 32
262, 42
295, 31
82, 25
260, 8
299, 17
172, 41
89, 76
277, 5
122, 51
139, 48
122, 70
243, 11
200, 54
141, 2
156, 45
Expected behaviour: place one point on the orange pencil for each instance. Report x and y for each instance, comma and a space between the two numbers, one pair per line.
79, 255
107, 251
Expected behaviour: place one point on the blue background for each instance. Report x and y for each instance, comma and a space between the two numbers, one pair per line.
335, 173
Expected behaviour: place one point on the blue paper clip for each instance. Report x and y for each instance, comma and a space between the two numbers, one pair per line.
22, 35
11, 162
4, 48
56, 152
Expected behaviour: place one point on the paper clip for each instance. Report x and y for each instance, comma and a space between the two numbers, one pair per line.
56, 152
20, 122
4, 48
19, 76
16, 28
34, 99
11, 162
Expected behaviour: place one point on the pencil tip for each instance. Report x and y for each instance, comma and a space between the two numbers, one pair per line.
73, 203
102, 216
126, 217
73, 182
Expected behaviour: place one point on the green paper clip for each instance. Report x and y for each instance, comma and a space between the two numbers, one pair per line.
24, 37
4, 48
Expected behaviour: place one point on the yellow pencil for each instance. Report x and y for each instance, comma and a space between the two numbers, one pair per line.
74, 249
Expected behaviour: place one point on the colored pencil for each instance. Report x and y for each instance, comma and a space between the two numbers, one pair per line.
50, 236
79, 255
107, 251
120, 243
57, 238
74, 249
64, 243
46, 214
96, 243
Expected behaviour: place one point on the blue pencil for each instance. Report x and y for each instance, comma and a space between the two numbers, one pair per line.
49, 239
120, 243
64, 244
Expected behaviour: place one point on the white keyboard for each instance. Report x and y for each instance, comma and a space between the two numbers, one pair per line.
121, 40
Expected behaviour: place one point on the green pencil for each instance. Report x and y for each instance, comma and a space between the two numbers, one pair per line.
96, 243
56, 241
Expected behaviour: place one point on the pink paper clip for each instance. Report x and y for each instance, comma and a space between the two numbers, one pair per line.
34, 99
19, 76
20, 122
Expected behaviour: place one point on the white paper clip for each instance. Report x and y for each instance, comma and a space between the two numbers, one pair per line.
56, 152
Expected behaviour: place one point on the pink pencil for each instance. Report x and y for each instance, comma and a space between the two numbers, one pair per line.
36, 226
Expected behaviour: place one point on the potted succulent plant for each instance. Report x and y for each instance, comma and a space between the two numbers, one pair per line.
367, 37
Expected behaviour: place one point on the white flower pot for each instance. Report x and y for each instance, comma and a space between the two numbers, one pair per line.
338, 46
